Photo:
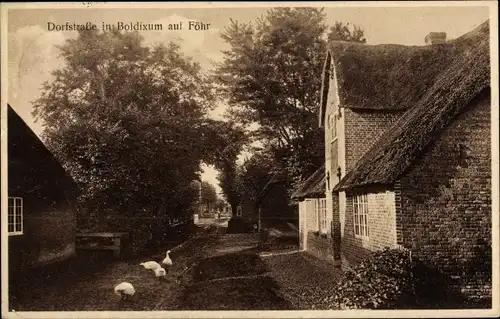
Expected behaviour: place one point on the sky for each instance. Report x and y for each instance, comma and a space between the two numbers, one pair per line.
32, 54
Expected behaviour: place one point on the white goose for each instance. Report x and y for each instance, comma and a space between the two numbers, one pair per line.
150, 265
125, 290
160, 273
167, 261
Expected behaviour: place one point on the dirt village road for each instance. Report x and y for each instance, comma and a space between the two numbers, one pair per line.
212, 271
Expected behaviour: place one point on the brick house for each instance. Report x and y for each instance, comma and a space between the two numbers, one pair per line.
408, 153
41, 201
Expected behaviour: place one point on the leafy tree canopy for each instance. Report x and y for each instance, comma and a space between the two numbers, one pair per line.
208, 193
271, 75
129, 122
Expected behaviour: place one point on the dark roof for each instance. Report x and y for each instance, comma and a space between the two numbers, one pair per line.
450, 94
277, 178
386, 76
313, 187
32, 169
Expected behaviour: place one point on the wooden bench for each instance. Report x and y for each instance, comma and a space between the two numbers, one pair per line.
101, 241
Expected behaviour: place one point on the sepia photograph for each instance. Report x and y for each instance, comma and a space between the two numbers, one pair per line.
267, 159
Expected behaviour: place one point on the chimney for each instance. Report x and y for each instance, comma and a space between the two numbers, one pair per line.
435, 38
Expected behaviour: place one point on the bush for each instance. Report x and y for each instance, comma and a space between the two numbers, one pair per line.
383, 281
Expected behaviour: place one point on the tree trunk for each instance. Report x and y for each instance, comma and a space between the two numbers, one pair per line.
234, 209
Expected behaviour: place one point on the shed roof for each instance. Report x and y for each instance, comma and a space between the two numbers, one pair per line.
313, 187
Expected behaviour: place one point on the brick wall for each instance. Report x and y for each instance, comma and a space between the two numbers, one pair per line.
445, 209
320, 247
362, 129
44, 240
381, 225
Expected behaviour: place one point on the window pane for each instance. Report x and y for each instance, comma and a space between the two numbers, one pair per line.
11, 228
364, 225
358, 212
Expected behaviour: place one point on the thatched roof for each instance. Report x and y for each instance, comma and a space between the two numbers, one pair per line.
453, 88
313, 187
386, 76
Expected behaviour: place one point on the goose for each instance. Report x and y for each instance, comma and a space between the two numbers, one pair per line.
160, 273
150, 265
125, 290
167, 261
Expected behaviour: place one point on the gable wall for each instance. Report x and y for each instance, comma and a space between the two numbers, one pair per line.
444, 215
362, 129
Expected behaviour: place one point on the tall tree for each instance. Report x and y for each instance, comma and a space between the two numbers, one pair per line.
271, 75
257, 171
208, 194
225, 141
230, 182
126, 121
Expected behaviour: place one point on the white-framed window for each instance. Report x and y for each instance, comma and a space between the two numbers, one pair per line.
360, 209
15, 216
322, 217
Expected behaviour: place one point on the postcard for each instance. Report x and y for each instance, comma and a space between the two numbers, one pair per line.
250, 159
